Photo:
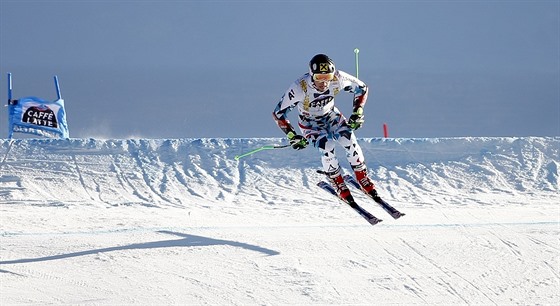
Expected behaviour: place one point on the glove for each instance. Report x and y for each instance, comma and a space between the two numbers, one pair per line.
298, 142
357, 119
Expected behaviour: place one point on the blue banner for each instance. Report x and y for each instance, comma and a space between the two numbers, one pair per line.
37, 116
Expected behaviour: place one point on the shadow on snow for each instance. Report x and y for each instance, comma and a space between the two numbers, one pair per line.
186, 241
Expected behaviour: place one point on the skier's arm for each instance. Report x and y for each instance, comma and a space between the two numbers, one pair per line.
354, 85
360, 97
357, 118
359, 89
280, 114
282, 121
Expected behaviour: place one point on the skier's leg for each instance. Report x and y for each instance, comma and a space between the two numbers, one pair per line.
327, 150
331, 166
319, 137
321, 140
355, 157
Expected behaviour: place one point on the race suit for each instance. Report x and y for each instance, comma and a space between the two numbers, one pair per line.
320, 121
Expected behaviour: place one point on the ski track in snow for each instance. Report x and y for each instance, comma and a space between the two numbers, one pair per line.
179, 221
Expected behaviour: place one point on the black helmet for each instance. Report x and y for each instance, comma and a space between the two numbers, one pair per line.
321, 64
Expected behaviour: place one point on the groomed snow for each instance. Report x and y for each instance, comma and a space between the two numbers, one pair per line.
180, 221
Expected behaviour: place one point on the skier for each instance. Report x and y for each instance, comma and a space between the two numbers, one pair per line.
322, 124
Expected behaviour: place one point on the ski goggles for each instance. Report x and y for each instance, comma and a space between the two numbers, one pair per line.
323, 77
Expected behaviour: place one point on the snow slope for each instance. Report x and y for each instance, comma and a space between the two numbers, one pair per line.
180, 221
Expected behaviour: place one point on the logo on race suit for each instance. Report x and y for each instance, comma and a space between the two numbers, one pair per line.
306, 103
40, 115
291, 95
320, 103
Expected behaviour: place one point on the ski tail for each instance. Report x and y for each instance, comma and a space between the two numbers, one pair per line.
386, 206
371, 219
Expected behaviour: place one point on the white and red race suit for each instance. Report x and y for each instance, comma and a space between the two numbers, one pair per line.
320, 121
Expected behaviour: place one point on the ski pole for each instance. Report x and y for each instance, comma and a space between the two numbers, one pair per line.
356, 51
267, 147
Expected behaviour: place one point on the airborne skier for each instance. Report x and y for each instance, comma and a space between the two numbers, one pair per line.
322, 124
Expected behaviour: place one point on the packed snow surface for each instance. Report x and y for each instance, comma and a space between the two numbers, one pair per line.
180, 221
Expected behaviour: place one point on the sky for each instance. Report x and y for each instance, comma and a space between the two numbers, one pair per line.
189, 69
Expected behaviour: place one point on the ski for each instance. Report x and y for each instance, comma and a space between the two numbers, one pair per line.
362, 212
386, 206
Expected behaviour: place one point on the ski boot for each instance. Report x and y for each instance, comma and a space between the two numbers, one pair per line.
340, 187
367, 185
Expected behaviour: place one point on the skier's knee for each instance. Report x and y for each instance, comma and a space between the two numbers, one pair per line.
321, 143
346, 134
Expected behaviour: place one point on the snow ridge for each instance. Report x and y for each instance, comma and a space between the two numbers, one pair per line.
176, 172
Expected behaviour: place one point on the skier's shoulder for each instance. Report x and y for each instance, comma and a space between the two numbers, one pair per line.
346, 79
302, 83
343, 76
297, 90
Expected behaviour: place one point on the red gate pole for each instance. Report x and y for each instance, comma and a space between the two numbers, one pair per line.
385, 130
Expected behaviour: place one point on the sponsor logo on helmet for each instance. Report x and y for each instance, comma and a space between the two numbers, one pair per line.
324, 67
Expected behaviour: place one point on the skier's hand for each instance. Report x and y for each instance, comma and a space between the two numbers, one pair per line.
357, 119
298, 142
